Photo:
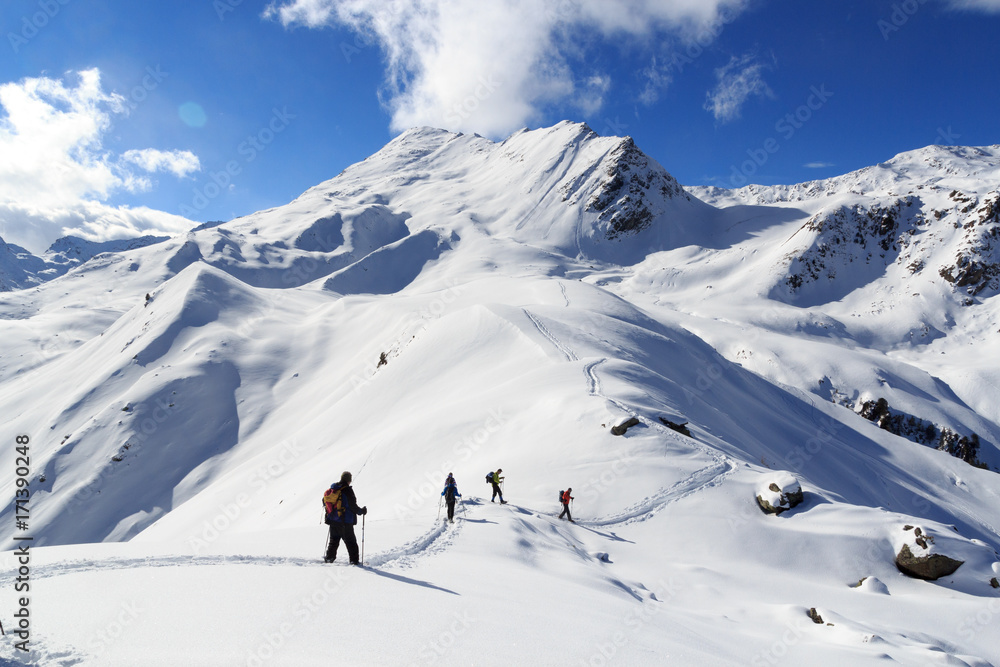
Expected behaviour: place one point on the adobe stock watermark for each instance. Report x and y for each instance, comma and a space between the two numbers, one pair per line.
304, 611
434, 310
361, 42
229, 513
558, 10
902, 12
33, 24
249, 149
127, 615
973, 624
592, 489
778, 650
705, 37
464, 109
151, 80
606, 651
147, 426
223, 7
786, 127
436, 649
947, 136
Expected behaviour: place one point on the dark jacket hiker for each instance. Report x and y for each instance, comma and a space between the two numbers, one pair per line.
450, 493
342, 514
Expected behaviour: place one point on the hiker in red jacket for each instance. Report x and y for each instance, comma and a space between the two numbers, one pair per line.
566, 497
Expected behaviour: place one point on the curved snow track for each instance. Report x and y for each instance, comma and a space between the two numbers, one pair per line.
435, 540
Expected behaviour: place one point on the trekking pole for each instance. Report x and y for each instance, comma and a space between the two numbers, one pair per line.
326, 549
363, 537
439, 507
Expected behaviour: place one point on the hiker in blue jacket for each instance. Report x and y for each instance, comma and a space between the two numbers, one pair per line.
450, 493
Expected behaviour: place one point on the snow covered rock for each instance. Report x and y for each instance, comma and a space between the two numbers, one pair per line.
920, 558
779, 492
619, 429
872, 585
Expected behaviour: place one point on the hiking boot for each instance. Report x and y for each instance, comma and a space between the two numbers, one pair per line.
327, 559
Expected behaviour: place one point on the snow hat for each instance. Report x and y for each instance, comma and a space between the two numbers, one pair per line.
345, 478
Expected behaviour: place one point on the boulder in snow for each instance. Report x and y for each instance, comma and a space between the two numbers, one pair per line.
920, 558
779, 492
624, 426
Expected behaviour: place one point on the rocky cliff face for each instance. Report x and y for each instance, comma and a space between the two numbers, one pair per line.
632, 187
977, 262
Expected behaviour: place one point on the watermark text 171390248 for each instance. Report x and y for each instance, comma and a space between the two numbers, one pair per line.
22, 583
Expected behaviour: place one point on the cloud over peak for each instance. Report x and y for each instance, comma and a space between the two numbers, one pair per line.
493, 67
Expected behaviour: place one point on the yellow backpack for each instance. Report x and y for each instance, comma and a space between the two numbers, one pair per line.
333, 505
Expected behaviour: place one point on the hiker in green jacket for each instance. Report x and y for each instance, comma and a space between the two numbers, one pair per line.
496, 481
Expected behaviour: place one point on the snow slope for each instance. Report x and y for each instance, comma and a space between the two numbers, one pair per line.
457, 305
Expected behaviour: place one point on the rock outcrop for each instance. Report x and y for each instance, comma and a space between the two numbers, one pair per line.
778, 493
918, 557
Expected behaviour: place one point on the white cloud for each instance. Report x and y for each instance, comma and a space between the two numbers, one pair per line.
591, 94
737, 82
179, 163
657, 77
55, 173
35, 228
492, 67
990, 6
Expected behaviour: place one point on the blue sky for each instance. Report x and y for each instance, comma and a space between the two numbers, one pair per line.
119, 117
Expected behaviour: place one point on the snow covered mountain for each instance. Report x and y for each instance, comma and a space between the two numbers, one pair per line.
452, 304
20, 269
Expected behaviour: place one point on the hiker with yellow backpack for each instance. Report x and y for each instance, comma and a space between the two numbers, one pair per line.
342, 514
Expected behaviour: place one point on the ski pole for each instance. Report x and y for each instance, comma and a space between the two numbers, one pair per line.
363, 537
439, 507
326, 549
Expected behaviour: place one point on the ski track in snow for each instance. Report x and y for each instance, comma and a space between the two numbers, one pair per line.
714, 474
436, 540
568, 353
705, 478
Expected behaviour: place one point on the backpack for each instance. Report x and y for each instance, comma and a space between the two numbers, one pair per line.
333, 505
489, 477
449, 492
561, 496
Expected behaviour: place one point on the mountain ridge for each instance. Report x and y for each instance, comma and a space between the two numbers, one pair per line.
454, 305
